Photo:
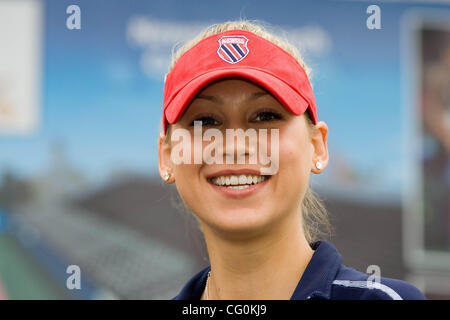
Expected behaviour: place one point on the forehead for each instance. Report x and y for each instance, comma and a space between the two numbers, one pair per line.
234, 91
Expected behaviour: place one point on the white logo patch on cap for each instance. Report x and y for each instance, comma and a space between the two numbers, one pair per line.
232, 49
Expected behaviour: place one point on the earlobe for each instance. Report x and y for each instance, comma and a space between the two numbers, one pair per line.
319, 141
168, 177
164, 163
317, 167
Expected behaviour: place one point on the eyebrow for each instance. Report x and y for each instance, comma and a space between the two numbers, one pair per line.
253, 96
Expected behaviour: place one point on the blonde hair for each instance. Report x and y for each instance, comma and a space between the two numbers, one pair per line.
253, 27
315, 217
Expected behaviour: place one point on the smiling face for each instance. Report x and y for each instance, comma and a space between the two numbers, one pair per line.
235, 199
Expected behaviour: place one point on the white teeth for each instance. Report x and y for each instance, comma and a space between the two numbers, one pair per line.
239, 187
238, 182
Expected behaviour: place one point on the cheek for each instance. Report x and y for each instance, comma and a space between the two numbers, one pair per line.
295, 159
187, 180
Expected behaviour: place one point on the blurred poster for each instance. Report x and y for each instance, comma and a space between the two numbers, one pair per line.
427, 113
435, 115
20, 65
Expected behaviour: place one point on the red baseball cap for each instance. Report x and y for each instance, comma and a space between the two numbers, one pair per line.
237, 53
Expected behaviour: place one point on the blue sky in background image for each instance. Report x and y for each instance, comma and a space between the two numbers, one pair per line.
102, 99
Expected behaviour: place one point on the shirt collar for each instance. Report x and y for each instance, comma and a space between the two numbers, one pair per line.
194, 288
315, 282
317, 279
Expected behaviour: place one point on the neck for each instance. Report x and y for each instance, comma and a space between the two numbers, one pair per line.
268, 266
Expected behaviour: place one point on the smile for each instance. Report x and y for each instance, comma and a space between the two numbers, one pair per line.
238, 181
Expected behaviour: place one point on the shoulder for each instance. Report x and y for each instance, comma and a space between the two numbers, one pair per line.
353, 284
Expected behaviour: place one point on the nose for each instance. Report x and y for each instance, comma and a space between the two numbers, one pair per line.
241, 146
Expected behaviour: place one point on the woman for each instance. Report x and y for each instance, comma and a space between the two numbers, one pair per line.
259, 218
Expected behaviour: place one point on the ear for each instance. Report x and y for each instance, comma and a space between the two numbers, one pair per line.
164, 162
320, 149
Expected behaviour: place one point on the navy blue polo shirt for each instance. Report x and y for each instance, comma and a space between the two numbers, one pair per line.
326, 277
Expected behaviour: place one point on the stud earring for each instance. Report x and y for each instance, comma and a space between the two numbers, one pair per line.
319, 165
166, 176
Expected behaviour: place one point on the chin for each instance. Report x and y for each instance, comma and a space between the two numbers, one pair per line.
239, 222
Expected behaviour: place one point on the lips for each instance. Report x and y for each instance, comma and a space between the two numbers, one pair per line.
237, 183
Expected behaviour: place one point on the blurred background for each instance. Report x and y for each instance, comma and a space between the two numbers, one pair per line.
80, 111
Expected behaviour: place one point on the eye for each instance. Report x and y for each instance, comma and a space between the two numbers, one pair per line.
206, 121
267, 116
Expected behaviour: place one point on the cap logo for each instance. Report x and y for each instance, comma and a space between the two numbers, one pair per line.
232, 49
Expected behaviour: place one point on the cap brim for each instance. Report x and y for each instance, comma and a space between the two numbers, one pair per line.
287, 96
